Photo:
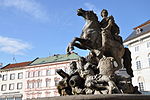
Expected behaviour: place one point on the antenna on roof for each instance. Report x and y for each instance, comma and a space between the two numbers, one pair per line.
14, 59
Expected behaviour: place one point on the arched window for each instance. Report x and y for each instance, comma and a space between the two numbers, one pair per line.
138, 63
141, 83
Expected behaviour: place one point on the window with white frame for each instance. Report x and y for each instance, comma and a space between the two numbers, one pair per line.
48, 82
29, 85
136, 48
148, 44
141, 86
11, 86
12, 76
10, 98
19, 85
3, 87
141, 83
18, 98
34, 74
138, 64
4, 77
28, 74
39, 83
48, 72
20, 75
55, 71
56, 80
33, 84
39, 73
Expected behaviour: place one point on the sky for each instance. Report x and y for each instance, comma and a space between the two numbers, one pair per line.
42, 28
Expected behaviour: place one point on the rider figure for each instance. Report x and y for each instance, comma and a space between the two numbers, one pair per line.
108, 22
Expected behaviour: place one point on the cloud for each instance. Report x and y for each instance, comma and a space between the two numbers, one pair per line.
30, 7
91, 6
13, 46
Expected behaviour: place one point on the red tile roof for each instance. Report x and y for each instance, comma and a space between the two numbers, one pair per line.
147, 22
16, 65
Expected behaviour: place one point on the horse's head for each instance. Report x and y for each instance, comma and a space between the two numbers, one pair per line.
89, 15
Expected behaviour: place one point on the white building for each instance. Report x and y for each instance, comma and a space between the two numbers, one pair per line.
12, 81
139, 44
33, 79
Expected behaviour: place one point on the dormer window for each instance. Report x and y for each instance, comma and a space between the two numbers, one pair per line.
139, 30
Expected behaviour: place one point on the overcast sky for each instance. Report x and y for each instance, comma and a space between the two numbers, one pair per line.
41, 28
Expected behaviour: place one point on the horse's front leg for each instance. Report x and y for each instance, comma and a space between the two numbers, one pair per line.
71, 46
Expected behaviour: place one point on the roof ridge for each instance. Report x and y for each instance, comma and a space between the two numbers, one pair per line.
141, 25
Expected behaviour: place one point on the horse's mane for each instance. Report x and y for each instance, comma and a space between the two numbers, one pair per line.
92, 12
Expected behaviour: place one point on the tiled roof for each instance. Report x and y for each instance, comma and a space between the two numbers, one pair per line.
16, 65
145, 28
55, 58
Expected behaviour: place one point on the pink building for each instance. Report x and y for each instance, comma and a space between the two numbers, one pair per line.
33, 79
41, 77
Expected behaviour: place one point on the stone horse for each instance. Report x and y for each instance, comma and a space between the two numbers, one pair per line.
112, 47
91, 37
100, 42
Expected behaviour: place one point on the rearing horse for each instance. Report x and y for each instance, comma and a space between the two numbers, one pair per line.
91, 37
94, 39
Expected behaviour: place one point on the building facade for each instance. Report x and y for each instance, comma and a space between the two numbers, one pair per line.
12, 81
139, 44
33, 80
41, 77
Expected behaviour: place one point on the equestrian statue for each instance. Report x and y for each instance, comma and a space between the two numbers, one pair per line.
97, 72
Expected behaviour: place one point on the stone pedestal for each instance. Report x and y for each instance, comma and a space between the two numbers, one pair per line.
99, 97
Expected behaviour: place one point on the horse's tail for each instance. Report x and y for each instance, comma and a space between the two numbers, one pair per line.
127, 62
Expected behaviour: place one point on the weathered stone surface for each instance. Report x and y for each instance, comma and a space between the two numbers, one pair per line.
95, 74
99, 97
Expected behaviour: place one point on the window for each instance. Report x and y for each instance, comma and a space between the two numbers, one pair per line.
19, 85
136, 48
56, 81
148, 44
11, 86
12, 76
35, 73
138, 64
3, 98
18, 98
33, 84
55, 71
4, 78
20, 75
10, 98
141, 83
39, 73
48, 72
3, 87
48, 82
138, 30
141, 86
29, 85
39, 83
28, 74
